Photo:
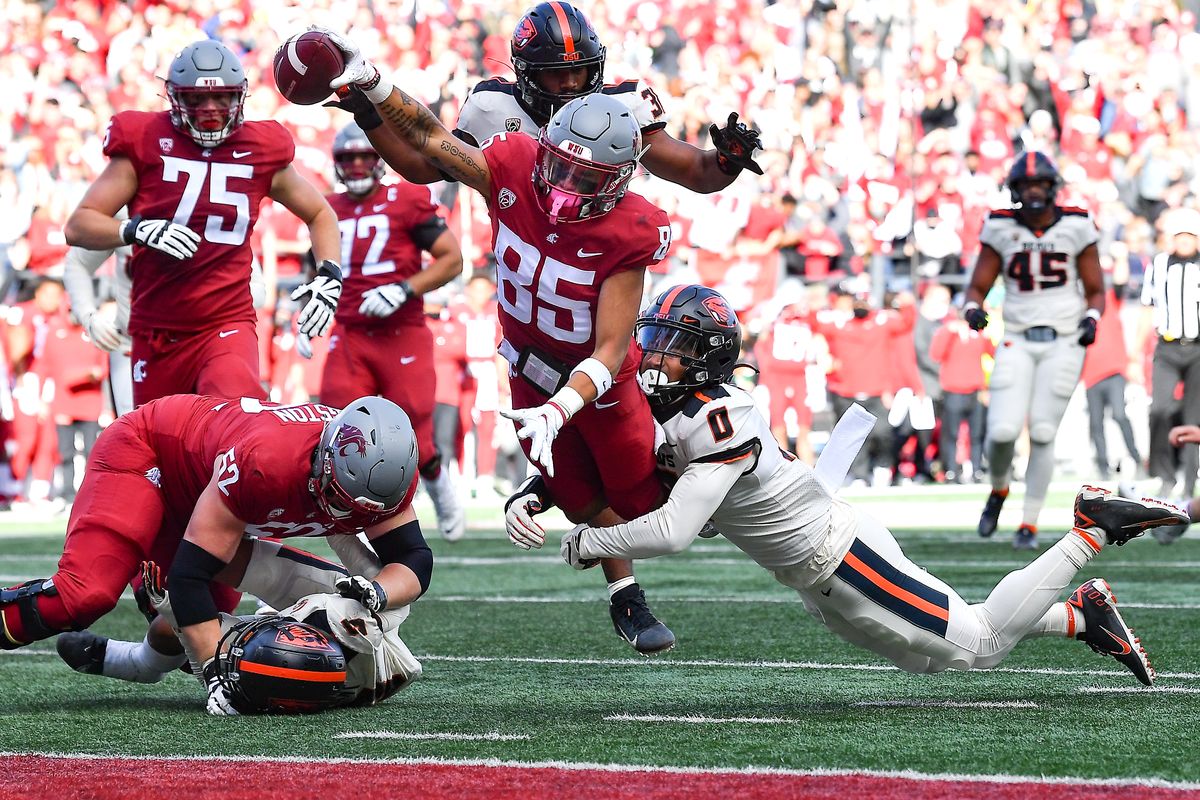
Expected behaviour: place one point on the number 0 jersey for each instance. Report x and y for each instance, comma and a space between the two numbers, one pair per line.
1041, 276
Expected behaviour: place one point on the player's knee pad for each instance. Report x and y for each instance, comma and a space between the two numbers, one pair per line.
21, 620
1042, 432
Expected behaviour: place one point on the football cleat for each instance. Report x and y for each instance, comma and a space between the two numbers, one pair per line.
636, 623
1025, 538
1106, 631
451, 517
83, 651
1123, 518
990, 517
1169, 534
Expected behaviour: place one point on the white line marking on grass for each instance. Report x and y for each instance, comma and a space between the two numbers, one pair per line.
1156, 783
743, 599
446, 737
696, 719
1138, 690
945, 704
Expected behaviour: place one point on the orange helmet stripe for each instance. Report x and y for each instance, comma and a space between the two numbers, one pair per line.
568, 40
1030, 164
670, 298
294, 674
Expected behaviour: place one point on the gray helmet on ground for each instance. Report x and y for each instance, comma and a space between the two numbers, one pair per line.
365, 463
199, 70
587, 154
351, 141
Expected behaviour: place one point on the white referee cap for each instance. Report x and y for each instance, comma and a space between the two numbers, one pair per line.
1182, 220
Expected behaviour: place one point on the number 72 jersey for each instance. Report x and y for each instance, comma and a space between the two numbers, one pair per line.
1041, 278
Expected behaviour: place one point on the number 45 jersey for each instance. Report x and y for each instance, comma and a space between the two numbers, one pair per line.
549, 276
215, 191
1041, 279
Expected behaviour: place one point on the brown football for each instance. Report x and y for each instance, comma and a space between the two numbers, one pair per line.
304, 66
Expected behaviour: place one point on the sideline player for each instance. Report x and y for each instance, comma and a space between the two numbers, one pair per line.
847, 567
382, 343
193, 179
1045, 253
557, 57
571, 247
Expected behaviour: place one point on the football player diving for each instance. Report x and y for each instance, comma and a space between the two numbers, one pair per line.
847, 567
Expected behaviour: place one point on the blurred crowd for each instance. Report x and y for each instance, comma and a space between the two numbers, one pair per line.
888, 128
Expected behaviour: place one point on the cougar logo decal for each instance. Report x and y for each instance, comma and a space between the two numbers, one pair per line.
302, 637
524, 34
350, 439
720, 311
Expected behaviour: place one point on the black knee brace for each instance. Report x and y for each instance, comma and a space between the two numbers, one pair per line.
24, 599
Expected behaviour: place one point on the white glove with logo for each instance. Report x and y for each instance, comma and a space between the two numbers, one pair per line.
219, 703
383, 301
323, 292
103, 332
570, 550
359, 71
366, 591
540, 426
176, 241
519, 509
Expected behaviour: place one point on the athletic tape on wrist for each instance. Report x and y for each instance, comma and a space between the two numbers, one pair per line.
599, 375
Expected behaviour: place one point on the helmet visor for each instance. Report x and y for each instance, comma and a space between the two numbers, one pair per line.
669, 340
575, 174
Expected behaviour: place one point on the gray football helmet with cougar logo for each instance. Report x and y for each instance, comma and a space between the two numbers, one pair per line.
365, 463
199, 70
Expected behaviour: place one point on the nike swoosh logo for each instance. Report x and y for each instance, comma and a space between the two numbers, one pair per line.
584, 254
379, 207
606, 405
827, 592
407, 359
236, 154
1125, 648
223, 334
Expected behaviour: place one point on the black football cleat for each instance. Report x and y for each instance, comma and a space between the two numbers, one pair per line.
1025, 538
83, 651
636, 623
1107, 632
990, 517
1123, 518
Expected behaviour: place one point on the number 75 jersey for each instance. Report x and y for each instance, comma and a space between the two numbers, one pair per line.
1041, 278
549, 276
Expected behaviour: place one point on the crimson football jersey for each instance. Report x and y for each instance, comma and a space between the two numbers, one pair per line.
381, 244
214, 191
549, 276
261, 454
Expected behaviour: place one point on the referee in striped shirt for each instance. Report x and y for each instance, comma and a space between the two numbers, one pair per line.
1171, 292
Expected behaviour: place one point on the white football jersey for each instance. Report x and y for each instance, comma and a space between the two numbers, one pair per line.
1041, 276
492, 108
777, 512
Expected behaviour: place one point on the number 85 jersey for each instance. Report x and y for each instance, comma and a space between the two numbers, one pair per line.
549, 276
1041, 278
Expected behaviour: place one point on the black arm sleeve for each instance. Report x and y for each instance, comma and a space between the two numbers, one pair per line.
405, 545
191, 572
426, 232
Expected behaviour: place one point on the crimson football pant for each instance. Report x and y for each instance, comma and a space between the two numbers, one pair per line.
221, 361
604, 453
119, 520
395, 364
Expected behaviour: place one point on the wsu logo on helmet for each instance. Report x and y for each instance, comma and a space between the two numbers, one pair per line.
350, 439
720, 311
525, 33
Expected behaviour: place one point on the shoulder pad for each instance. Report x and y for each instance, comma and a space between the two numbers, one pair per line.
1073, 211
494, 85
1002, 213
619, 88
700, 399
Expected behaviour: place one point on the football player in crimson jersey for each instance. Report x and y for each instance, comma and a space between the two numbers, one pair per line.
558, 57
1053, 299
382, 344
193, 179
848, 568
571, 248
182, 480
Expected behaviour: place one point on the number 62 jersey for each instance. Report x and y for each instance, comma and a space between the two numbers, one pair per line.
1041, 278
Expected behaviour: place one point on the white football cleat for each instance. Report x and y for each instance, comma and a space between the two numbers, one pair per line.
451, 516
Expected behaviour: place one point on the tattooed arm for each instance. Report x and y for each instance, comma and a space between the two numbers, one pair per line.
410, 121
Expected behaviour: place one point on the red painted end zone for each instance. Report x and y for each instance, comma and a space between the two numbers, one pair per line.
52, 778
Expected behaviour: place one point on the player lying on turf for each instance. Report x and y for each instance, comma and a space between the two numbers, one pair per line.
321, 650
848, 568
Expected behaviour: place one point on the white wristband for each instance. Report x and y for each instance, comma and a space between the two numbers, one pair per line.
1094, 313
599, 375
380, 91
568, 400
968, 306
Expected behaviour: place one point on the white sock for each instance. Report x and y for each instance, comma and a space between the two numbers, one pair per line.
138, 662
1062, 619
619, 584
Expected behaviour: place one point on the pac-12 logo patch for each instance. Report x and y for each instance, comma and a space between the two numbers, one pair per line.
166, 144
512, 124
507, 198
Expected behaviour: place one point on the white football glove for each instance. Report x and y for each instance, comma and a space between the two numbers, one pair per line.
569, 549
163, 235
304, 346
540, 426
383, 301
359, 71
103, 332
219, 703
323, 292
522, 530
366, 591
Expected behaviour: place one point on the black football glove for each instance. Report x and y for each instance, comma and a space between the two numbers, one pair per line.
976, 317
735, 145
1087, 331
350, 98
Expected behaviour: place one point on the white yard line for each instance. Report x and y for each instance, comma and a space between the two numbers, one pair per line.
444, 737
945, 704
696, 719
1138, 689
